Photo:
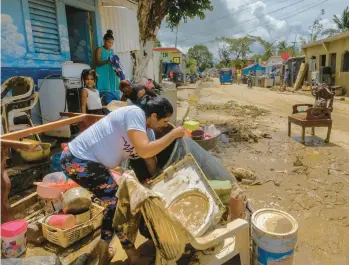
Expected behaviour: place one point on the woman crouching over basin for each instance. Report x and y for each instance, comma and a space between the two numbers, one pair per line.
126, 133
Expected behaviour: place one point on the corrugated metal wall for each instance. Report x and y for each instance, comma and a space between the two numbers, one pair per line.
123, 23
126, 62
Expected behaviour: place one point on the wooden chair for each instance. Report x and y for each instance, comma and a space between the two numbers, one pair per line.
314, 116
170, 238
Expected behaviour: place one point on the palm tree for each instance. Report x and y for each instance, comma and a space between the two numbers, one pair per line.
282, 47
342, 23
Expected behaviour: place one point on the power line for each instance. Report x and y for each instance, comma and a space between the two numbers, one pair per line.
297, 13
234, 25
285, 18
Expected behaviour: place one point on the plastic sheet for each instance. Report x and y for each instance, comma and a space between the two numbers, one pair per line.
40, 260
212, 167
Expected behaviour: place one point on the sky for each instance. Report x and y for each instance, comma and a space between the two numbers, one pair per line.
273, 20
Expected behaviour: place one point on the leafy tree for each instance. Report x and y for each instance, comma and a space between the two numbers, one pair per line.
191, 66
342, 23
234, 50
238, 48
157, 43
224, 51
269, 48
316, 28
202, 56
282, 47
150, 14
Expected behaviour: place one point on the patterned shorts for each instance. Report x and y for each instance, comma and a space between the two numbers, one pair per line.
97, 179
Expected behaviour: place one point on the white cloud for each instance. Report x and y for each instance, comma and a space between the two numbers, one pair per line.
63, 32
28, 28
12, 43
229, 19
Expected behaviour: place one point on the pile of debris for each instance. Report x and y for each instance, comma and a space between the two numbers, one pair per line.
233, 108
238, 132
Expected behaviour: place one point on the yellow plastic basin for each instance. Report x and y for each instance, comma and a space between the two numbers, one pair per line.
35, 155
191, 125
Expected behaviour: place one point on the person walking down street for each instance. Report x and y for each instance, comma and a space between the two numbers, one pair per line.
108, 80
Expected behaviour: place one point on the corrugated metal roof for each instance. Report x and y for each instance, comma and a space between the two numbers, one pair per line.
123, 23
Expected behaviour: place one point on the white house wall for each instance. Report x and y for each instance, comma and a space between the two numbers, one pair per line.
123, 23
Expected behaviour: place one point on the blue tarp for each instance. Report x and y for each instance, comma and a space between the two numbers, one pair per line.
253, 67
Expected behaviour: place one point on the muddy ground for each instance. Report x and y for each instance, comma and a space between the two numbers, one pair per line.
311, 182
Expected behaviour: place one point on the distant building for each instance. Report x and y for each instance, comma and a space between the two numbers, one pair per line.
167, 55
171, 55
293, 65
332, 51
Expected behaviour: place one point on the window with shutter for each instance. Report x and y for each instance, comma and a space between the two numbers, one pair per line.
43, 18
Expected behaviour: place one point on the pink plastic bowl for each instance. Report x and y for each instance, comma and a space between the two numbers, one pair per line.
54, 191
62, 221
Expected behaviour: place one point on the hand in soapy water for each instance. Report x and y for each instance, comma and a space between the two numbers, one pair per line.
178, 132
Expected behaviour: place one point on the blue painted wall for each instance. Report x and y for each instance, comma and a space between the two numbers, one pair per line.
16, 44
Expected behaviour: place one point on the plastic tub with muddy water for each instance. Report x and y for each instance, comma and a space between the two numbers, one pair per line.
274, 235
212, 167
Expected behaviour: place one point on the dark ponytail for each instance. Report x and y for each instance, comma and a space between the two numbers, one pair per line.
161, 106
108, 35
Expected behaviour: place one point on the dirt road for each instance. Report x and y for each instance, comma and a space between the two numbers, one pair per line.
315, 191
280, 104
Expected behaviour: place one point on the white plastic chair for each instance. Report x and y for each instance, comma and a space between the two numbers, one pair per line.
23, 99
215, 247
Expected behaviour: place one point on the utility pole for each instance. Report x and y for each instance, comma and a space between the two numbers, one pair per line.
176, 36
294, 45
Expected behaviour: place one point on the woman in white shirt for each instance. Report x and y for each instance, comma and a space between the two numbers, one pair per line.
126, 133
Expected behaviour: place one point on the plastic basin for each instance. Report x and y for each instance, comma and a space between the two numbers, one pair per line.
35, 155
208, 144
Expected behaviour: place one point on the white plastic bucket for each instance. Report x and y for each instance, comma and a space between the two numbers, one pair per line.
274, 235
13, 238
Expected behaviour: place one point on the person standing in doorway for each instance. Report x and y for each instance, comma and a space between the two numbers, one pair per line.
108, 80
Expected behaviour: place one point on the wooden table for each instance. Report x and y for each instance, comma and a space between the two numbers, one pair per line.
12, 140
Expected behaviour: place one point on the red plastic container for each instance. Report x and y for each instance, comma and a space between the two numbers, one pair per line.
62, 221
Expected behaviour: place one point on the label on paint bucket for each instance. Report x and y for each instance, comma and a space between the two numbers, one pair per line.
264, 257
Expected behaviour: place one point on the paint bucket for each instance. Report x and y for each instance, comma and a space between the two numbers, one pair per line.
274, 235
